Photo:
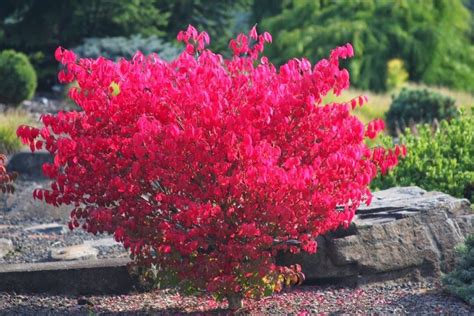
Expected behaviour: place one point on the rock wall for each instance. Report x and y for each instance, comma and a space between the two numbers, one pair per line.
406, 233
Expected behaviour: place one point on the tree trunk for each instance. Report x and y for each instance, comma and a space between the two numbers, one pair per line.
235, 301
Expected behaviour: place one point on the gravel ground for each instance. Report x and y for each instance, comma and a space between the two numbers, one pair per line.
34, 247
20, 211
417, 299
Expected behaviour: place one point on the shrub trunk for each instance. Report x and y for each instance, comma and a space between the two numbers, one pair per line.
235, 301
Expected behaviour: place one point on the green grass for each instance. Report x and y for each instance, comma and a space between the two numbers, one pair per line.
379, 103
9, 122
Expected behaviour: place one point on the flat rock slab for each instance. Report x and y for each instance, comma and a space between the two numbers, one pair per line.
77, 252
51, 228
406, 233
6, 246
409, 200
104, 242
108, 276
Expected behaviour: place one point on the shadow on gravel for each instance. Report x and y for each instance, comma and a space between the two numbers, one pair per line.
39, 310
24, 304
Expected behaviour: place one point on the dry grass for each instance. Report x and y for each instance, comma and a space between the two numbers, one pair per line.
9, 122
376, 107
379, 103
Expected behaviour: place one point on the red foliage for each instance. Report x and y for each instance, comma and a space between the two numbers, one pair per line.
207, 166
6, 178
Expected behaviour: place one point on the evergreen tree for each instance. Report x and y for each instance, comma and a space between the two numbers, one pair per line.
221, 19
460, 282
431, 37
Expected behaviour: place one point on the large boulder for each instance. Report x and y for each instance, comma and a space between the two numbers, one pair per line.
406, 233
29, 164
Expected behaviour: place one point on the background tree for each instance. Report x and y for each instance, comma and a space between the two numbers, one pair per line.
38, 27
431, 37
266, 8
223, 19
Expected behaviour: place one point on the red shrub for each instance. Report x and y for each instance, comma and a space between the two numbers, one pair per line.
206, 166
6, 178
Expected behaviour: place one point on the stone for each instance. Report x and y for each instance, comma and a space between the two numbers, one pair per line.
29, 164
406, 233
77, 252
51, 228
6, 246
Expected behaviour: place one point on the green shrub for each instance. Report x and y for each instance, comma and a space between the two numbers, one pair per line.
17, 78
419, 106
439, 161
460, 282
118, 47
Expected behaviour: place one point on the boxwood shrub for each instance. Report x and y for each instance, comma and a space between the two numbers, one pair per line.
418, 106
17, 78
